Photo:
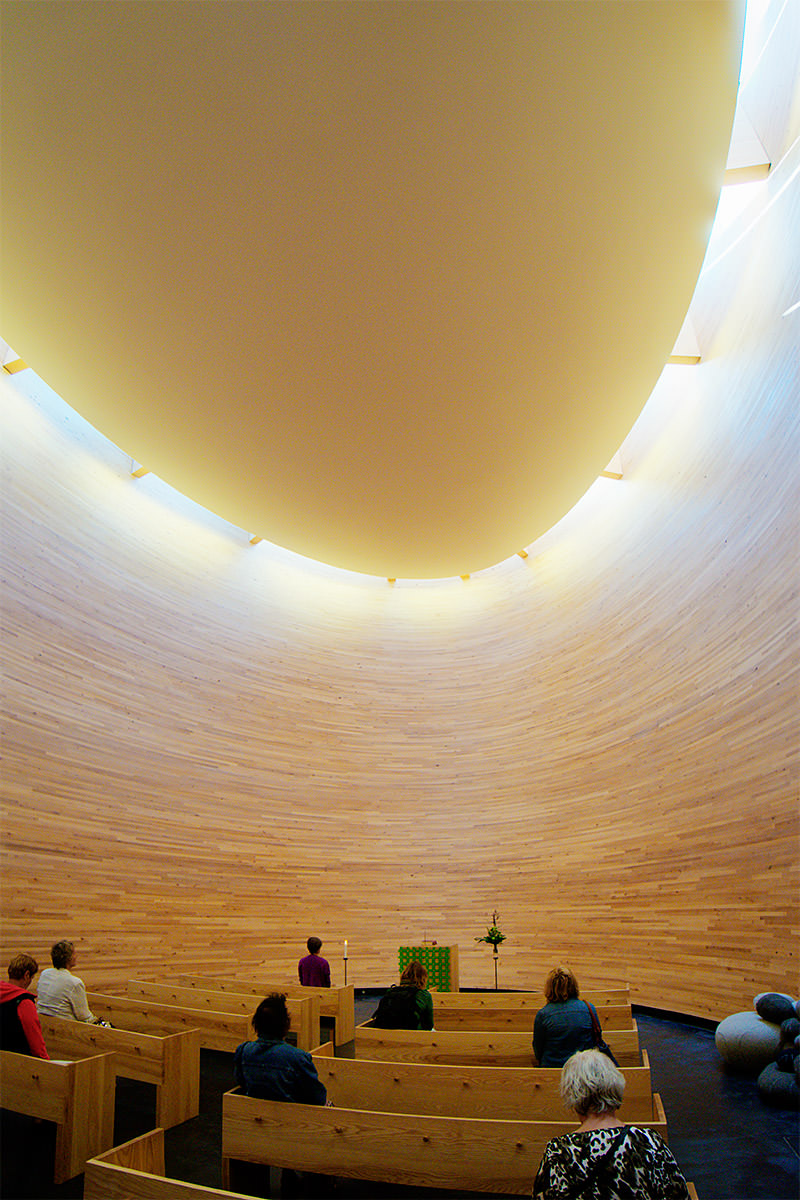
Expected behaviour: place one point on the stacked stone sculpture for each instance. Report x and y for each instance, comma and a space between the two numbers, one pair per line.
766, 1043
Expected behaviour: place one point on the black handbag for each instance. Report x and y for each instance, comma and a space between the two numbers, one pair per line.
597, 1033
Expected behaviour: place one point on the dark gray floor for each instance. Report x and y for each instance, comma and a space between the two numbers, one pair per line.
730, 1144
725, 1139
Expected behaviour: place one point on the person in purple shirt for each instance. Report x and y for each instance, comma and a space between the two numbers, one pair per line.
314, 970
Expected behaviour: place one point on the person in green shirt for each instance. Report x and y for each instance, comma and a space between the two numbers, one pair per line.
408, 1005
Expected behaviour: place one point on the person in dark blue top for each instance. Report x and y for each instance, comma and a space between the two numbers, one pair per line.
272, 1069
564, 1025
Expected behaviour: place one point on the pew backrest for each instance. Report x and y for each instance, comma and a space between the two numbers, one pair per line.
337, 1003
613, 994
611, 1016
448, 1152
135, 1171
218, 1031
501, 1093
481, 1048
304, 1013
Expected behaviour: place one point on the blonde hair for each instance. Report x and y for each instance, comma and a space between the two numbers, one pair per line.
591, 1083
415, 975
561, 985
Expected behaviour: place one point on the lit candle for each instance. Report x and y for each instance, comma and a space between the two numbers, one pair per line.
345, 947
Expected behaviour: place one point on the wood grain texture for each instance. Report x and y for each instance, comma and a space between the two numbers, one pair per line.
473, 1047
448, 1152
304, 1012
212, 750
526, 1001
335, 1002
217, 1030
135, 1171
78, 1096
611, 1016
506, 1094
171, 1062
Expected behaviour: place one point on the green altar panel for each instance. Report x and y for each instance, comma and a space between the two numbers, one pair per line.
441, 963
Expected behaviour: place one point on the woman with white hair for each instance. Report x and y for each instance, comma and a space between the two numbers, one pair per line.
604, 1159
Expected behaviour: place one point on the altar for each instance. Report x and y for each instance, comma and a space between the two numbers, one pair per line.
441, 963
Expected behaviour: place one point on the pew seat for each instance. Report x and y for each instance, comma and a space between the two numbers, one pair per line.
171, 1061
78, 1096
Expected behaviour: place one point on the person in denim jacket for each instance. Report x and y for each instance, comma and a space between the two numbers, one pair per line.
272, 1069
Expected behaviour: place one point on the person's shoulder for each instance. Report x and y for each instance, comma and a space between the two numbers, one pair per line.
643, 1134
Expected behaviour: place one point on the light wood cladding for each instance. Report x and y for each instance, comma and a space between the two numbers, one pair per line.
212, 752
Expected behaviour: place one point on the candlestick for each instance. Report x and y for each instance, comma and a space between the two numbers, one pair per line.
345, 948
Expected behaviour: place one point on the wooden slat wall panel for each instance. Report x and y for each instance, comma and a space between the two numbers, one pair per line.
212, 751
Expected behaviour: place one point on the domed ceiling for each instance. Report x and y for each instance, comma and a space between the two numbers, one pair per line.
383, 283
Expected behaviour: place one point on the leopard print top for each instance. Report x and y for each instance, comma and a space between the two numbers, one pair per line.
609, 1164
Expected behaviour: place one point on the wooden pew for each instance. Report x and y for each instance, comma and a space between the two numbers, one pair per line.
169, 1060
304, 1013
504, 1093
462, 1153
135, 1171
218, 1030
78, 1096
612, 994
481, 1048
611, 1016
337, 1003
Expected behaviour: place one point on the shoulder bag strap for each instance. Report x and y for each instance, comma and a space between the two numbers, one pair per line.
597, 1032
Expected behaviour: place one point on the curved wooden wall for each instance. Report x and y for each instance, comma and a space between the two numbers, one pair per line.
212, 750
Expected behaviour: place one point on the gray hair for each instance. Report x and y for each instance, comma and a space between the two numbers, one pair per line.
591, 1083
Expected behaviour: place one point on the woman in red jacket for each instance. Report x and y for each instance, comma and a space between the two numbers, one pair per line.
19, 1021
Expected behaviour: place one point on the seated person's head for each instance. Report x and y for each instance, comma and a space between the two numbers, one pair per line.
415, 975
22, 969
271, 1019
314, 945
591, 1083
63, 954
561, 985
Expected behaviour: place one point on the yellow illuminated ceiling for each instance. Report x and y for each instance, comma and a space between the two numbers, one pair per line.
383, 283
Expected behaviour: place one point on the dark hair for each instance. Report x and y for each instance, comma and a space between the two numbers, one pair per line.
21, 964
415, 975
271, 1019
314, 945
561, 985
62, 953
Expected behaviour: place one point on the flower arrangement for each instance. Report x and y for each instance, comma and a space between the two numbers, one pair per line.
493, 936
